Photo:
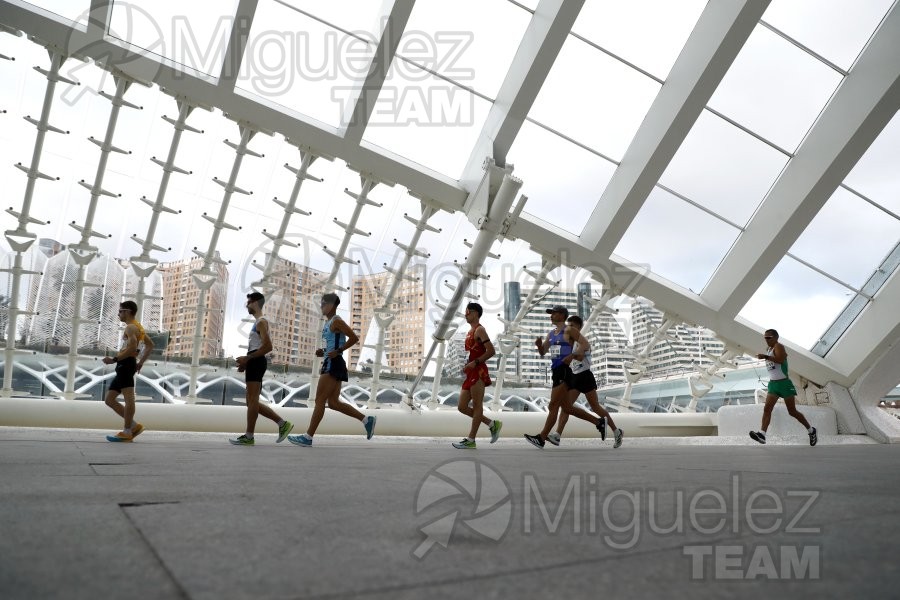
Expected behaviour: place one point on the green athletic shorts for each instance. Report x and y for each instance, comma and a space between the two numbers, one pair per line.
783, 388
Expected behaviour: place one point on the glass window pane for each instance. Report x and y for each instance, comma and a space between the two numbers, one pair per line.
848, 217
426, 119
775, 89
188, 33
876, 175
362, 17
797, 301
531, 4
471, 42
74, 10
827, 27
594, 99
677, 240
723, 168
300, 63
557, 173
646, 33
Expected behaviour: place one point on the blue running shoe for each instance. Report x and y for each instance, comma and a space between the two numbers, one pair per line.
369, 424
300, 440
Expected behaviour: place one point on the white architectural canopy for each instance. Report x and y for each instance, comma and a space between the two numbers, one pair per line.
716, 171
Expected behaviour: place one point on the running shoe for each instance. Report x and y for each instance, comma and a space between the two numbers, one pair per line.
535, 440
465, 444
619, 435
369, 424
283, 431
122, 436
495, 428
814, 437
601, 427
300, 440
554, 438
242, 441
758, 437
136, 430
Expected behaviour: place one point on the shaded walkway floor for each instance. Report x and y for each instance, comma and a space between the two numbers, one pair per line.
180, 515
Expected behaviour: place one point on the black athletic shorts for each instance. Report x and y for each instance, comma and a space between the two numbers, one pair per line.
584, 382
255, 369
125, 370
336, 367
561, 374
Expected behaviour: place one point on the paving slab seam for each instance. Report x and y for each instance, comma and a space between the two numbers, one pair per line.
182, 593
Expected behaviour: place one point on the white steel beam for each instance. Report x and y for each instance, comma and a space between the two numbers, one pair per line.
540, 45
861, 107
676, 301
716, 40
237, 43
360, 110
871, 334
240, 106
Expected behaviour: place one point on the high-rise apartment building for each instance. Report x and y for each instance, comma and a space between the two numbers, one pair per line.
684, 349
293, 309
404, 340
52, 298
606, 336
179, 308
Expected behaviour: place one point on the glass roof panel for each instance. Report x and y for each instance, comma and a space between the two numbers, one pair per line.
827, 27
364, 18
723, 168
677, 240
594, 99
876, 175
777, 99
471, 42
848, 217
74, 10
797, 301
188, 33
426, 119
528, 4
296, 61
557, 172
647, 33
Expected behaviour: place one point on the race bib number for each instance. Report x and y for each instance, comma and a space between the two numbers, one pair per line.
554, 350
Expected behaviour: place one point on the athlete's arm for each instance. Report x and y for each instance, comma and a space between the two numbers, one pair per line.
352, 338
482, 336
543, 344
148, 348
575, 337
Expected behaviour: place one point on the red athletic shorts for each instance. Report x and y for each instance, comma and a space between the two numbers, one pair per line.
479, 373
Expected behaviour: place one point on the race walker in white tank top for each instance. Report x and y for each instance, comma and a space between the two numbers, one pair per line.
777, 372
580, 366
254, 341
